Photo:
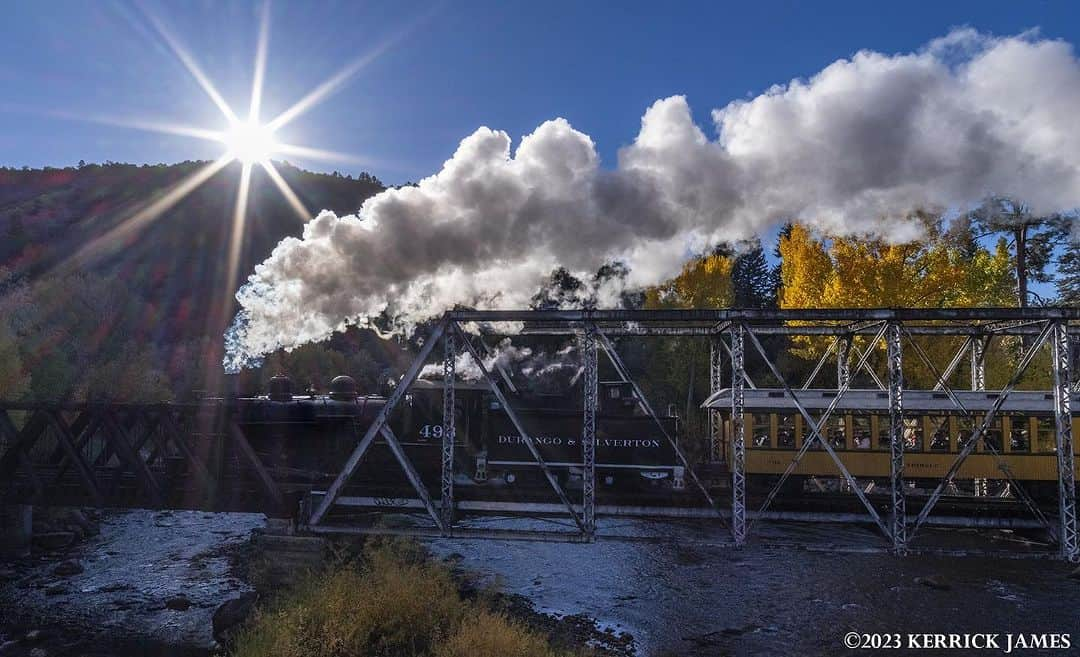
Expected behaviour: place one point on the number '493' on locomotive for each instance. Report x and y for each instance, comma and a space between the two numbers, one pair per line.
631, 447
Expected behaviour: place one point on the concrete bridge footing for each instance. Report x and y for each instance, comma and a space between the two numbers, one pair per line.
16, 529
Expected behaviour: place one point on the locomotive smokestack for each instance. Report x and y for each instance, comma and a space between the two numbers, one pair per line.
280, 388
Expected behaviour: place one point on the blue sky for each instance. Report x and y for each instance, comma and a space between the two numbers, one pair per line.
459, 65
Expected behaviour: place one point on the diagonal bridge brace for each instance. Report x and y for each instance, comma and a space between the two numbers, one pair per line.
376, 428
525, 437
815, 432
980, 431
1002, 465
643, 403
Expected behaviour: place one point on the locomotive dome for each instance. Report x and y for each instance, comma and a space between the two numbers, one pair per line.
280, 388
344, 388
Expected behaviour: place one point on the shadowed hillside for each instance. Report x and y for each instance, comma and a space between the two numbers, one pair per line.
142, 314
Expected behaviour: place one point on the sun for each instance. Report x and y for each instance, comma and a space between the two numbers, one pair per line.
250, 142
247, 139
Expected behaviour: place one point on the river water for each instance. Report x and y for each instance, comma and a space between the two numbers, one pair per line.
676, 586
687, 592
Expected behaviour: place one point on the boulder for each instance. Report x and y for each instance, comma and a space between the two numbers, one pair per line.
231, 615
68, 568
933, 582
53, 541
179, 603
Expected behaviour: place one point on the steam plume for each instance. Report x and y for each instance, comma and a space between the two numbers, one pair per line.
851, 150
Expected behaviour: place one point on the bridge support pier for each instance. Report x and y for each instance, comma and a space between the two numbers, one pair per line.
16, 529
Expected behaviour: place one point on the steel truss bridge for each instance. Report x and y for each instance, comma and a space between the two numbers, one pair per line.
159, 456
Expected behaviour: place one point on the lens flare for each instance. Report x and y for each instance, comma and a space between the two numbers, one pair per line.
250, 142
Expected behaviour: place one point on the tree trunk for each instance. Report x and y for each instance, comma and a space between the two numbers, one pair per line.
1021, 265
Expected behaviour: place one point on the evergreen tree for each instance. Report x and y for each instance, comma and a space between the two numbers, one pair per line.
1068, 276
1032, 239
752, 282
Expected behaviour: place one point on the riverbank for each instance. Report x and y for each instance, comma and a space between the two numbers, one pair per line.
151, 582
146, 583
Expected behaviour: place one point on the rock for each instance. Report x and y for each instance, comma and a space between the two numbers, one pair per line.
51, 541
33, 636
934, 582
38, 652
68, 568
179, 603
231, 615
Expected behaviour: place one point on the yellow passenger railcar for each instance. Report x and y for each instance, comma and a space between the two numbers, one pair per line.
1023, 432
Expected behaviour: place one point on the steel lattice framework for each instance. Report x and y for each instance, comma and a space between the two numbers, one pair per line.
857, 340
733, 333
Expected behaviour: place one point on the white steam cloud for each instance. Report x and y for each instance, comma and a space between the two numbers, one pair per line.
854, 149
511, 358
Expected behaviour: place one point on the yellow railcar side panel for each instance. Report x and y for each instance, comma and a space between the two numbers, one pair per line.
916, 464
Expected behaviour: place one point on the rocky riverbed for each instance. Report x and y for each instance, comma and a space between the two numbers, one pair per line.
143, 582
677, 588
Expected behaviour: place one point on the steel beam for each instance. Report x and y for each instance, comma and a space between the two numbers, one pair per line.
980, 431
588, 429
896, 437
672, 328
121, 444
376, 426
533, 509
270, 487
67, 441
717, 453
1014, 485
843, 361
978, 363
738, 437
816, 427
411, 474
1068, 540
821, 363
449, 429
498, 366
525, 437
864, 364
765, 316
943, 378
727, 349
643, 403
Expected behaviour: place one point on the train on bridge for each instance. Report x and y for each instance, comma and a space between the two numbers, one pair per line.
305, 438
1021, 439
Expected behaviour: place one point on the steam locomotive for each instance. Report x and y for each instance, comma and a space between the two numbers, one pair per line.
304, 439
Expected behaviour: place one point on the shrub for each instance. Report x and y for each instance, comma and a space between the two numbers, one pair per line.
394, 602
484, 633
389, 606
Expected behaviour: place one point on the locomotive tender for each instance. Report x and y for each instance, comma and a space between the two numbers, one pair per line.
305, 438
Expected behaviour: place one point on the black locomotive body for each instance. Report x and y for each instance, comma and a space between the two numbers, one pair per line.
305, 440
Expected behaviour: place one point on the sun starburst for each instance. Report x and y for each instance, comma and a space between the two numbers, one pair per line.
250, 141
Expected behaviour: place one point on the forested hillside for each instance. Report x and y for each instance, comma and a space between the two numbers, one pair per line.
138, 318
142, 318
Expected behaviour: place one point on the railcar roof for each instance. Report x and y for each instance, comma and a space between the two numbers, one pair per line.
1033, 401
